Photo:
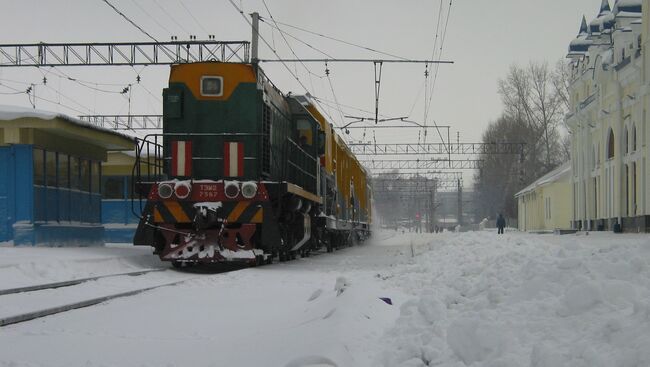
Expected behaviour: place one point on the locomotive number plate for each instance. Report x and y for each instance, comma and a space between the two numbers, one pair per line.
207, 191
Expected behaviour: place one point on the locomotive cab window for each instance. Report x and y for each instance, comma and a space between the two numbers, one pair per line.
212, 86
305, 136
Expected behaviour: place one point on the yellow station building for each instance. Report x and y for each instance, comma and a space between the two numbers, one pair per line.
546, 205
609, 98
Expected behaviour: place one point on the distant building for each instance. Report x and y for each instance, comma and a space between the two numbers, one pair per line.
609, 98
546, 205
51, 177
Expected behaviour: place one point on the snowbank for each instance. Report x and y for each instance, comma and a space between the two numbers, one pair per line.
520, 300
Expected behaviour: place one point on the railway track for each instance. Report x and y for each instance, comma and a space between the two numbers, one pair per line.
22, 304
73, 294
68, 283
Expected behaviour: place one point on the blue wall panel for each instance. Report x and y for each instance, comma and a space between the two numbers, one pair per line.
6, 175
24, 182
118, 211
16, 193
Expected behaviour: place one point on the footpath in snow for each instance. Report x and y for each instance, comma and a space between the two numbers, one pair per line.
471, 299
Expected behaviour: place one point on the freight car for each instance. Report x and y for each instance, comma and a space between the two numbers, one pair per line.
245, 173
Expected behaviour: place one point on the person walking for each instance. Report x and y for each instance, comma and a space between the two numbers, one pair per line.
501, 223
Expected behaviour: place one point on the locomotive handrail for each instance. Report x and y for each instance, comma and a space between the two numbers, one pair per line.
136, 172
310, 182
302, 150
301, 170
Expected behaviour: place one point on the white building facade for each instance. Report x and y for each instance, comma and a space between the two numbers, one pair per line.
610, 98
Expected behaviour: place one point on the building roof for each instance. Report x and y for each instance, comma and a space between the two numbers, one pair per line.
58, 124
8, 113
553, 176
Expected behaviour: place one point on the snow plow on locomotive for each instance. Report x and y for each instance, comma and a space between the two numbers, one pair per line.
243, 173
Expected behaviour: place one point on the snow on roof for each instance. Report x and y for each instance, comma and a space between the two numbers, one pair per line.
8, 113
553, 176
580, 44
604, 7
632, 6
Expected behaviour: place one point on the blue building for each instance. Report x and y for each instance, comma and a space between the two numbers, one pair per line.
120, 214
51, 177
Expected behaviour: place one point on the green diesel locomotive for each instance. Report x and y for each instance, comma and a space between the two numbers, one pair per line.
244, 173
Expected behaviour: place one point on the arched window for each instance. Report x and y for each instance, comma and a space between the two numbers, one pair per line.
634, 138
626, 140
610, 144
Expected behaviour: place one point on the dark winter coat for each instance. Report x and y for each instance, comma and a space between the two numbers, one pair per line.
501, 221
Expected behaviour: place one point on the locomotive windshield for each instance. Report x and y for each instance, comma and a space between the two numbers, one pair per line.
212, 86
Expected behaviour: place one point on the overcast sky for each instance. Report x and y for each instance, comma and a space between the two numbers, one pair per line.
483, 38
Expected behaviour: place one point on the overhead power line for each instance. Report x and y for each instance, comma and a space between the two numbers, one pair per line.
273, 27
129, 20
241, 12
340, 40
192, 15
155, 20
173, 19
403, 60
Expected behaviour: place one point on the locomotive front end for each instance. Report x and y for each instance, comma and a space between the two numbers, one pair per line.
207, 201
208, 221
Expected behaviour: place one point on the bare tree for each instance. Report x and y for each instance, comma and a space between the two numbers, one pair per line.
535, 97
535, 100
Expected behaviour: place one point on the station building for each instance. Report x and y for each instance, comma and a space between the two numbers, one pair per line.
51, 177
546, 205
609, 101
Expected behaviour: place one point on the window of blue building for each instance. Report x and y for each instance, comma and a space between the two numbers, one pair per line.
66, 188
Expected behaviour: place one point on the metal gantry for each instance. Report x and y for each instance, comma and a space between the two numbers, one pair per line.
406, 185
440, 186
125, 122
362, 149
127, 53
421, 164
439, 175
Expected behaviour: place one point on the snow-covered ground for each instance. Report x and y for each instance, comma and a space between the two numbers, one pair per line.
472, 299
24, 266
524, 300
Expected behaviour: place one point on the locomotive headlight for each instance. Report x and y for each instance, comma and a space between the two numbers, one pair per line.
165, 190
182, 190
231, 189
249, 190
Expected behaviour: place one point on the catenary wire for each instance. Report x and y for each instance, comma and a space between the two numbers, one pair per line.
129, 20
192, 15
170, 17
161, 26
341, 41
274, 51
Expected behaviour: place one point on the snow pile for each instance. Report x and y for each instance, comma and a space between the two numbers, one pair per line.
516, 300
